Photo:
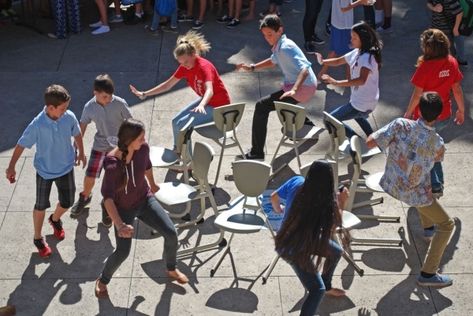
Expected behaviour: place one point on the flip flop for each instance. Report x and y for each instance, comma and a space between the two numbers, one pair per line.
100, 293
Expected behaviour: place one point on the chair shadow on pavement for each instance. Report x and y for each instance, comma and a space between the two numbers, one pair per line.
36, 291
406, 297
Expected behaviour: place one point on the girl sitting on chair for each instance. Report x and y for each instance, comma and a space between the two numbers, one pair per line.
312, 213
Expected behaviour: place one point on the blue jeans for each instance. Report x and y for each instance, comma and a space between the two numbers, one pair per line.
436, 174
315, 284
459, 42
157, 18
348, 112
152, 214
181, 118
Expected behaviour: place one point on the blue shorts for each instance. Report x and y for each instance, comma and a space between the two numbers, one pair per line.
340, 41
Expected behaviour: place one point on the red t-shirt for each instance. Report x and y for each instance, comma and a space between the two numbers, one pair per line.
438, 75
202, 72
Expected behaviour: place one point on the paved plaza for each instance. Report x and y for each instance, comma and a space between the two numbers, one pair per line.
64, 283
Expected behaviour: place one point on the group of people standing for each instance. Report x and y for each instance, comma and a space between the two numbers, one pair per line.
313, 208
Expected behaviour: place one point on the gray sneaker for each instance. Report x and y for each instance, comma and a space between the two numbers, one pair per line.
79, 206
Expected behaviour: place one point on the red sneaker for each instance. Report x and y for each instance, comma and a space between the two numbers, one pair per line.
43, 247
57, 226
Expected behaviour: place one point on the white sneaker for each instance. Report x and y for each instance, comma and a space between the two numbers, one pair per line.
96, 24
101, 30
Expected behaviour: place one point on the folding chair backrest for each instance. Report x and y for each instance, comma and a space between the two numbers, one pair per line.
228, 116
201, 159
355, 151
335, 128
251, 177
184, 136
291, 116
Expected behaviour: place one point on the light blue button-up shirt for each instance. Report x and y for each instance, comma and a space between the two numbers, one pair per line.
290, 58
55, 155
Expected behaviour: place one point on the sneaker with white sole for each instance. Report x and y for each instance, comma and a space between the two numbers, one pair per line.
197, 25
436, 281
224, 19
116, 19
96, 24
101, 30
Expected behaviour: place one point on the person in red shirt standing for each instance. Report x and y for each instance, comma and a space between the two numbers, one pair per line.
200, 74
437, 71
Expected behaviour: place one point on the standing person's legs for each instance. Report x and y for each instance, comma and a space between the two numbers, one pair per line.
368, 12
60, 18
312, 10
155, 22
331, 261
460, 48
388, 9
122, 250
73, 13
260, 120
430, 215
314, 284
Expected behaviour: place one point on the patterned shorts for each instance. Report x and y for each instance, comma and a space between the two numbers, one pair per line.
66, 189
94, 167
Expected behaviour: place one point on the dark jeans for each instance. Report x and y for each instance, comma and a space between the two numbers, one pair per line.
312, 10
348, 112
260, 120
368, 12
152, 214
315, 284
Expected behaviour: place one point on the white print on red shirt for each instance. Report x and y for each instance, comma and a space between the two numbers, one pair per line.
199, 86
444, 73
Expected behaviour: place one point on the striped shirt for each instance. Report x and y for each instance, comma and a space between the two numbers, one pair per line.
445, 20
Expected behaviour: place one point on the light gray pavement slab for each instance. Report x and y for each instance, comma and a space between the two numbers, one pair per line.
64, 283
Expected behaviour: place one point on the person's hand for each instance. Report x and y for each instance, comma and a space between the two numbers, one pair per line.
319, 58
408, 115
199, 109
139, 94
328, 80
287, 94
459, 117
81, 158
125, 231
438, 8
456, 32
342, 197
10, 174
154, 187
244, 67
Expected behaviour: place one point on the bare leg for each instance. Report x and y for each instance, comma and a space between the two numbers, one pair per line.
89, 183
238, 4
251, 14
231, 11
190, 7
202, 8
102, 11
116, 4
58, 212
38, 220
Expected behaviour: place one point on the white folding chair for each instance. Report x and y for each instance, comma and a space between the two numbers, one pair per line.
294, 132
340, 144
223, 129
174, 193
370, 184
245, 215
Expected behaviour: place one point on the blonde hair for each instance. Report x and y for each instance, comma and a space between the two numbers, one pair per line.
191, 43
434, 44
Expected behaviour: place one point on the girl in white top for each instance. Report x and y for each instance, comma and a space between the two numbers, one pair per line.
342, 19
364, 61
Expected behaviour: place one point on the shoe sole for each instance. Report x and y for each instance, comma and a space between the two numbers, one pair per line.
75, 214
434, 285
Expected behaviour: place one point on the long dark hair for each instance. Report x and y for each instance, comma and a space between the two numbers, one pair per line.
314, 212
370, 42
129, 130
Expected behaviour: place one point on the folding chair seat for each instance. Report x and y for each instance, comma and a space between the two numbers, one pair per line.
223, 129
294, 132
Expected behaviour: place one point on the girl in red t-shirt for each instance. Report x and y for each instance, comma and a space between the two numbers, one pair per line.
200, 74
437, 71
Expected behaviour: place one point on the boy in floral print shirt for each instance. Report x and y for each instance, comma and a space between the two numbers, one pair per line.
413, 148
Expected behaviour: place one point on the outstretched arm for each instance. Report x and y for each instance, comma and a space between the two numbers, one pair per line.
162, 87
267, 63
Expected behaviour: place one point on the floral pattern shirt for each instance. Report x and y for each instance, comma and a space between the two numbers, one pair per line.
413, 148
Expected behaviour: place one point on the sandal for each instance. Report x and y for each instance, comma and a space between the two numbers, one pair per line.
98, 292
180, 277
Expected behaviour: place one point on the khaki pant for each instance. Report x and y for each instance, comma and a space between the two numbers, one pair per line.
434, 214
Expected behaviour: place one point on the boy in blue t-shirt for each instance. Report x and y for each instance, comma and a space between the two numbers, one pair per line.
51, 131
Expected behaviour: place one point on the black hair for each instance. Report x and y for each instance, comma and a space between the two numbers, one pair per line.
271, 21
129, 130
104, 83
430, 105
56, 95
312, 216
370, 42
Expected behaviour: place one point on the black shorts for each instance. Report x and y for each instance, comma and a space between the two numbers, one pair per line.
66, 189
